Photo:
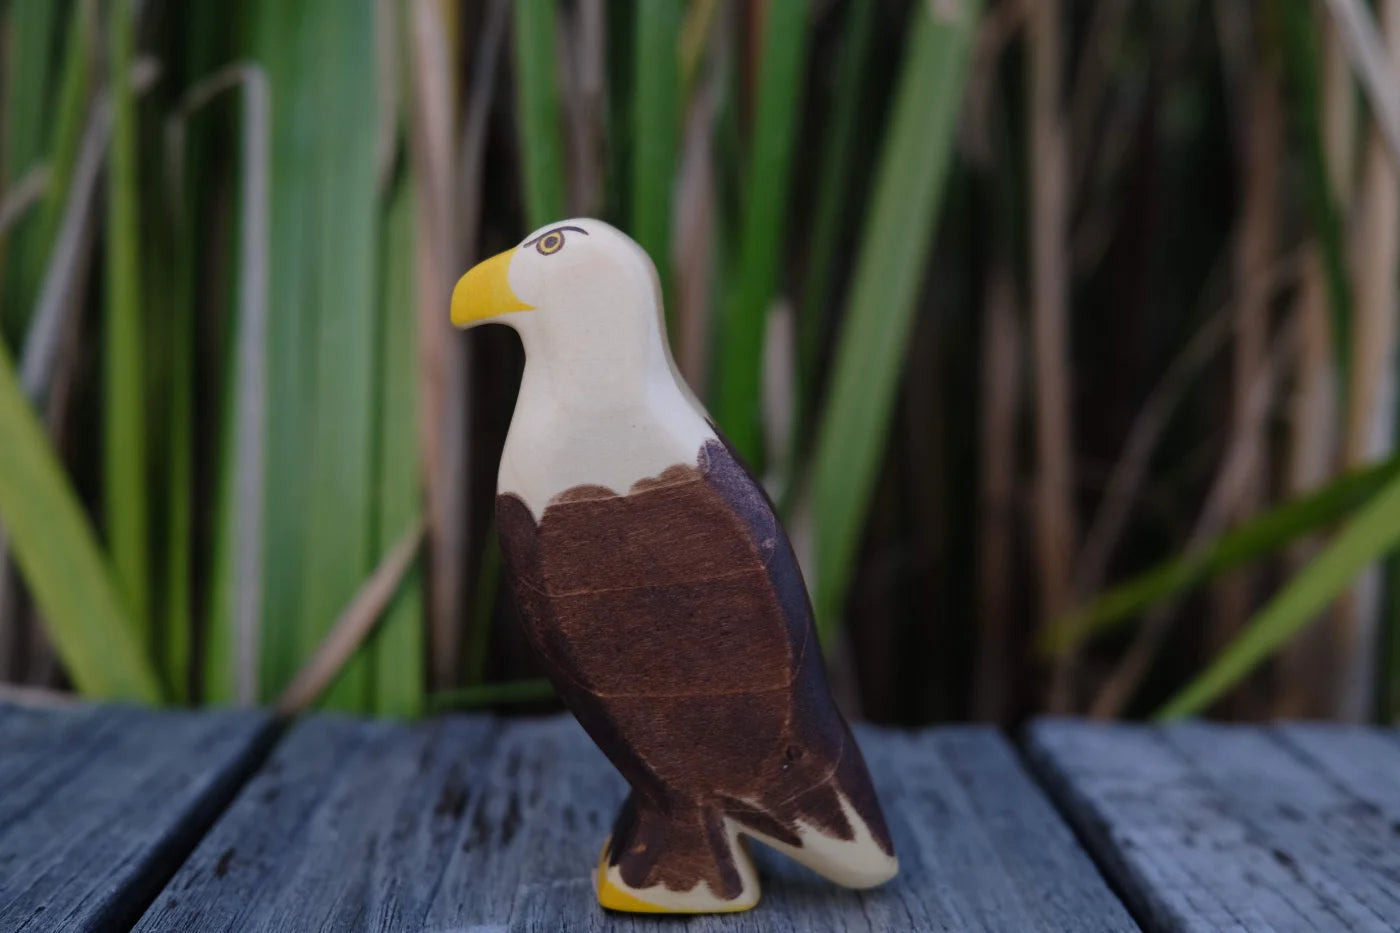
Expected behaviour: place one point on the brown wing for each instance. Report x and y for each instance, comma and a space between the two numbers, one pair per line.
822, 756
676, 625
656, 609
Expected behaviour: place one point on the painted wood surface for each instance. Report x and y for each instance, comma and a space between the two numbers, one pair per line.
99, 806
475, 824
1212, 827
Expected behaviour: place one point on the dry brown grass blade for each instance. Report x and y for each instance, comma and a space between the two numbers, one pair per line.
1093, 79
1374, 256
1001, 411
586, 47
1305, 665
1236, 472
779, 398
1256, 245
472, 149
996, 29
442, 372
1054, 475
54, 324
38, 697
67, 263
1370, 422
26, 193
1130, 470
352, 627
693, 228
1378, 69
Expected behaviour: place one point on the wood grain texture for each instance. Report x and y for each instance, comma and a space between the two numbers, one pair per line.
674, 622
1210, 827
471, 824
100, 805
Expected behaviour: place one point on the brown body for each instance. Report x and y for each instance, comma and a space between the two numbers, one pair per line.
674, 621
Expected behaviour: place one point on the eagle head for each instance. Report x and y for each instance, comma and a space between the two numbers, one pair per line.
580, 277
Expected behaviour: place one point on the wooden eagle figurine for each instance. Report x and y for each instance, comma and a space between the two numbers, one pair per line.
661, 593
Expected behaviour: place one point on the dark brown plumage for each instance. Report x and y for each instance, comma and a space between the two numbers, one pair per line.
675, 623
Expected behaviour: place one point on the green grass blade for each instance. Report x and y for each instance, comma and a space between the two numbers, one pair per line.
488, 584
169, 269
879, 313
656, 128
833, 191
74, 92
1390, 639
233, 636
344, 223
398, 641
1373, 532
33, 28
514, 691
767, 185
26, 86
537, 112
287, 52
124, 414
1264, 534
1302, 70
100, 644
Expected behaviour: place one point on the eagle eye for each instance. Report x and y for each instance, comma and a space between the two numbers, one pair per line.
552, 241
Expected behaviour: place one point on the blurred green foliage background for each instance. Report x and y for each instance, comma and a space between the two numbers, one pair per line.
1063, 333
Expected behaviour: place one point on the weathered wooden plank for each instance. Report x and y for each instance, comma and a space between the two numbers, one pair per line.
348, 826
543, 810
101, 804
1365, 762
1208, 827
1036, 847
470, 824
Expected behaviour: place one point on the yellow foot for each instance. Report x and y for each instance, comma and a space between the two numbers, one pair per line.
699, 900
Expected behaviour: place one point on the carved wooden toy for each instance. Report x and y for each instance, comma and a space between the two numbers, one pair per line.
661, 593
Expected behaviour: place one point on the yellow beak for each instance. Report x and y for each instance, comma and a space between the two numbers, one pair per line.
484, 292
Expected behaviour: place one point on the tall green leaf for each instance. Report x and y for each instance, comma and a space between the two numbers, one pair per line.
889, 269
74, 93
656, 128
479, 695
26, 99
1390, 640
124, 414
100, 644
343, 224
398, 641
285, 44
169, 266
537, 112
1372, 533
1263, 534
833, 190
233, 637
768, 182
1301, 69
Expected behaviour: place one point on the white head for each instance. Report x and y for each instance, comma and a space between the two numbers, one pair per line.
584, 298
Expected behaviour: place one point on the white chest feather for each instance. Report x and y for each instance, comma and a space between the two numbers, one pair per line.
557, 442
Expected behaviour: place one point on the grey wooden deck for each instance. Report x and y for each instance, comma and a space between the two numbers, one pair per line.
1209, 827
119, 819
